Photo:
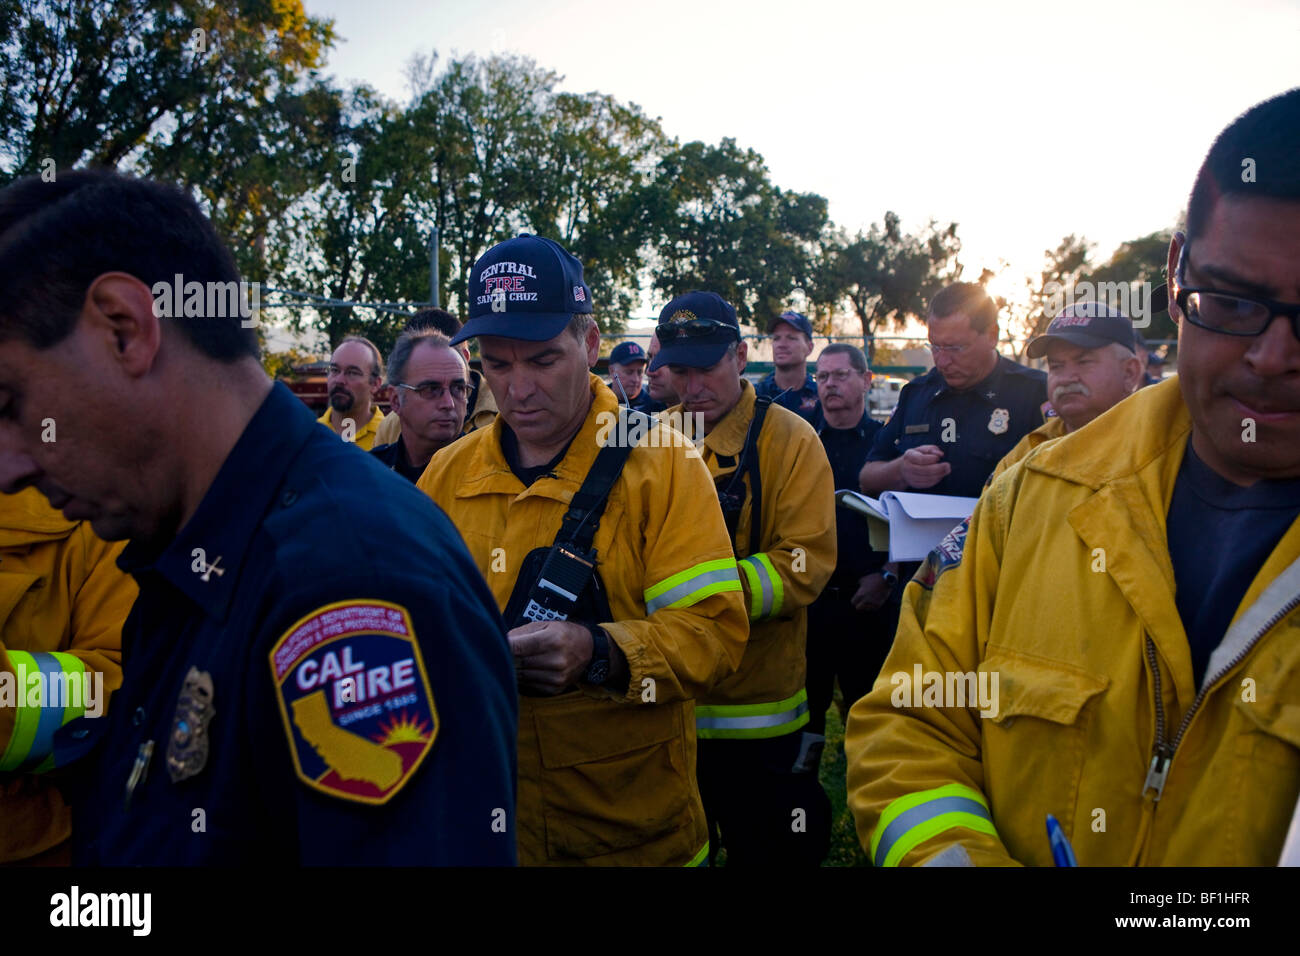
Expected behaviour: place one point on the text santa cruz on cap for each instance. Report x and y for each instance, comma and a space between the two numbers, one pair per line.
510, 284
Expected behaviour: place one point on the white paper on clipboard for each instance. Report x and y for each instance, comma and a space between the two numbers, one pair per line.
907, 524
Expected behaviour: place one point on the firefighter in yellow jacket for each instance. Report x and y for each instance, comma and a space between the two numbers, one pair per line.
1115, 644
62, 604
610, 659
757, 769
1092, 365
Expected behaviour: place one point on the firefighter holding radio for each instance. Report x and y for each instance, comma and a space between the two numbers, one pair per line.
598, 532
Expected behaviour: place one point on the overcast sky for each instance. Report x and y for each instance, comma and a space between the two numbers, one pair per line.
1023, 122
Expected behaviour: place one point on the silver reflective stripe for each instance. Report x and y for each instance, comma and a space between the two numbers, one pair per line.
686, 588
919, 814
764, 583
748, 723
1275, 597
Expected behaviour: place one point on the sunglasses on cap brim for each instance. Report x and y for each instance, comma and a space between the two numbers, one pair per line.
694, 329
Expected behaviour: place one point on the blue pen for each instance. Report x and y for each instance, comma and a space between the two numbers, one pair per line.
1062, 852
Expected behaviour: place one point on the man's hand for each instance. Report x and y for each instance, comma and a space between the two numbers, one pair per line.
872, 592
922, 468
550, 656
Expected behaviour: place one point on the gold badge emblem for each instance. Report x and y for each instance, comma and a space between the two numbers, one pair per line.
680, 316
999, 421
188, 742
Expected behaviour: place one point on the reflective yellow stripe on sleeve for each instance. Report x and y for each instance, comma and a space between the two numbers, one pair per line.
766, 592
701, 858
913, 819
49, 693
693, 585
751, 721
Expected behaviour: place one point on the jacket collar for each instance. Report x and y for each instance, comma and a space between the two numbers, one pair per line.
489, 473
27, 518
230, 513
1133, 453
728, 436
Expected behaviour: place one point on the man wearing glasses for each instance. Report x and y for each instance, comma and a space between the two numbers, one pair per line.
851, 625
954, 423
430, 383
1135, 586
758, 764
353, 381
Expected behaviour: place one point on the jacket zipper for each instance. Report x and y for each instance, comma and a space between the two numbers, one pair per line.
1162, 755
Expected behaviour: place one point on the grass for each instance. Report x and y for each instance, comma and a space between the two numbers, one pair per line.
845, 849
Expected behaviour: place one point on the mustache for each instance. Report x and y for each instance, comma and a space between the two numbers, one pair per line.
1075, 388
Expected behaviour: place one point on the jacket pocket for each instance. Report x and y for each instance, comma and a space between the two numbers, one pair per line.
614, 776
1035, 745
1265, 778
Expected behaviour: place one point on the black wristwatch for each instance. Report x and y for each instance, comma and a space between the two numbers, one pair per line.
890, 577
598, 670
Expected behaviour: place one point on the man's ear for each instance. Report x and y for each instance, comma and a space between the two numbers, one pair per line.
1171, 267
395, 399
1133, 373
119, 308
593, 344
742, 355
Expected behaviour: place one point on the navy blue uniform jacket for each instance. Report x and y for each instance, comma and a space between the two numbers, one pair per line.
320, 669
987, 420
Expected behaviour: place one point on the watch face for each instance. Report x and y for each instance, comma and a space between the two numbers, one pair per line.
597, 672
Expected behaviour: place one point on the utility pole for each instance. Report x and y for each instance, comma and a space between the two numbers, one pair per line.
433, 269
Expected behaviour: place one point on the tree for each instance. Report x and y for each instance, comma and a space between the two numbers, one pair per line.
1063, 268
886, 275
222, 97
1139, 265
721, 225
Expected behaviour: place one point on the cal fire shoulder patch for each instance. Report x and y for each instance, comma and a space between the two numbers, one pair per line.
355, 699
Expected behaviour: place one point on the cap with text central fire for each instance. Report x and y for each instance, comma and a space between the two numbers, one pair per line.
626, 352
796, 320
695, 330
1088, 325
526, 288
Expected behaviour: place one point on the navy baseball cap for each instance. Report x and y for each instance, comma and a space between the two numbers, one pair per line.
796, 319
695, 330
626, 352
524, 288
1089, 325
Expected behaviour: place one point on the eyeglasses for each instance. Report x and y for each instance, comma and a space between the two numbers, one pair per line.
694, 329
947, 349
1227, 312
839, 376
351, 372
432, 391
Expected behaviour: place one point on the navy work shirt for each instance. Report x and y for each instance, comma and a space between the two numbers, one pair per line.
847, 448
802, 401
1220, 534
395, 457
319, 669
987, 420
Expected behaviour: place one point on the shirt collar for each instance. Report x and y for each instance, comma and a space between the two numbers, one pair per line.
376, 416
820, 424
205, 558
987, 388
